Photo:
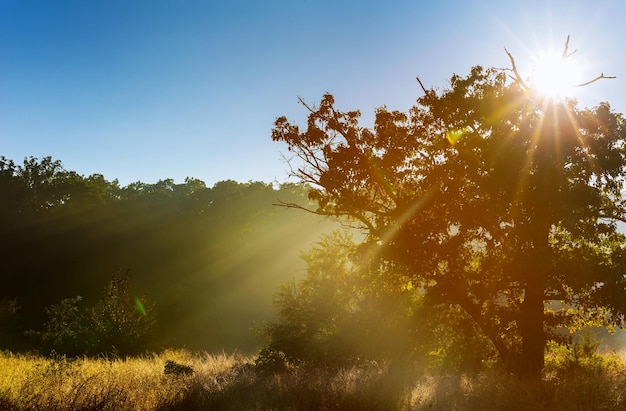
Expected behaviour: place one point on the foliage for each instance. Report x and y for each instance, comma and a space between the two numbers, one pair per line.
325, 318
118, 324
199, 251
65, 327
486, 197
346, 312
582, 356
120, 321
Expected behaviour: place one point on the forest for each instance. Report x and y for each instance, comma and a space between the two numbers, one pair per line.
206, 261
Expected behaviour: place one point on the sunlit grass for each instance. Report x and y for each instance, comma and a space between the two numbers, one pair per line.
232, 382
58, 383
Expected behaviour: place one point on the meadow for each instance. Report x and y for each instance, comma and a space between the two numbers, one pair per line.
181, 380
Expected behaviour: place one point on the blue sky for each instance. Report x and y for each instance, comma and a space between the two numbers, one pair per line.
153, 89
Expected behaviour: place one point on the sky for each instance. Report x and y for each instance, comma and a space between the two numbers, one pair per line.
145, 90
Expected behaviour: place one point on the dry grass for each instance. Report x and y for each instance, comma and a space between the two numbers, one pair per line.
38, 383
231, 382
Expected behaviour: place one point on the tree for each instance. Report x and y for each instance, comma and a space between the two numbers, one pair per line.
196, 250
119, 321
118, 324
65, 329
346, 310
488, 198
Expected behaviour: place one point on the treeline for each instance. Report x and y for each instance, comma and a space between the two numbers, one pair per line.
209, 259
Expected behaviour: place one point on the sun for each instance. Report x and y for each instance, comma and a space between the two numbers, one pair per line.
555, 75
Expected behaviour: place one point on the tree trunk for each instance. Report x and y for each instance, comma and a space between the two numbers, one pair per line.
532, 308
532, 332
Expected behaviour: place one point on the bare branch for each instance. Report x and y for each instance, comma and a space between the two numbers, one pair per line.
301, 100
600, 77
308, 177
356, 216
518, 77
565, 53
296, 206
421, 85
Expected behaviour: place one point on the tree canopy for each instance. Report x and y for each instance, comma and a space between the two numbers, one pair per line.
484, 197
210, 258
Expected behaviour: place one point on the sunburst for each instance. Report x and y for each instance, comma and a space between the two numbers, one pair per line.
555, 75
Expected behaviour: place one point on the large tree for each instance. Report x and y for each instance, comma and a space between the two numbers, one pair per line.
487, 197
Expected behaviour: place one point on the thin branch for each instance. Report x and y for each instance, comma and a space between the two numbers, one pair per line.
301, 100
357, 216
613, 217
421, 85
565, 53
297, 206
600, 77
514, 69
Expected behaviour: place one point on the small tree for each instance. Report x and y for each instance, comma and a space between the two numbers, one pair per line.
65, 331
118, 324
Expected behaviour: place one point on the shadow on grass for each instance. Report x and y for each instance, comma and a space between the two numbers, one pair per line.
381, 388
248, 388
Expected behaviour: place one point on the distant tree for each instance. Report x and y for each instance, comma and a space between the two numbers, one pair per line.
487, 198
189, 246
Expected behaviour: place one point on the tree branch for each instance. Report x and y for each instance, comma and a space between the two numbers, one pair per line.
565, 53
421, 85
518, 77
356, 216
311, 109
613, 217
297, 206
600, 77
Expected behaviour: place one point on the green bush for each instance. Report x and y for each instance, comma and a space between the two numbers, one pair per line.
118, 324
581, 356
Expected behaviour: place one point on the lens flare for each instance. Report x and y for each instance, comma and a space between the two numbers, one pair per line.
454, 136
140, 306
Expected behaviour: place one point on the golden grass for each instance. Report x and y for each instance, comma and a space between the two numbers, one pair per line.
231, 382
33, 382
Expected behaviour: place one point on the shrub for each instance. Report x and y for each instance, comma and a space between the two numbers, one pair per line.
582, 356
117, 325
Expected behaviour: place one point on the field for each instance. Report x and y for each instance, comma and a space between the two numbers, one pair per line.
180, 380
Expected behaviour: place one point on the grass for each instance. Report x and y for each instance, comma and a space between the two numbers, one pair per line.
30, 382
180, 380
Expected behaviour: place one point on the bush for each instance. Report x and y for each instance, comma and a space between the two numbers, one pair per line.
582, 356
118, 324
